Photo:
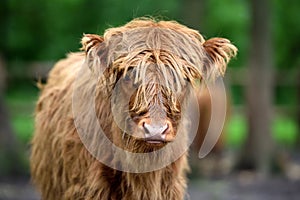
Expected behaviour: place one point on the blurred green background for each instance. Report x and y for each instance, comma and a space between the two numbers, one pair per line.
36, 33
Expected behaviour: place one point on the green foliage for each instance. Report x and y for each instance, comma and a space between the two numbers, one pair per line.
230, 19
236, 131
20, 100
286, 28
286, 95
47, 30
284, 131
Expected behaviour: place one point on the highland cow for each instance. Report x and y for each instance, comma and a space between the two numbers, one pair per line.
110, 121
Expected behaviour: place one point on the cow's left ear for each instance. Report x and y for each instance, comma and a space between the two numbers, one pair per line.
219, 51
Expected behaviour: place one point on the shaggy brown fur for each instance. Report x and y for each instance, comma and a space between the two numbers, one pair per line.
153, 63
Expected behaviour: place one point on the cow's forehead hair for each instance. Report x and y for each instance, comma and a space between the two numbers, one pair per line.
164, 43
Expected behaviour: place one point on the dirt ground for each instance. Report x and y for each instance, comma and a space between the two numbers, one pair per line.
234, 187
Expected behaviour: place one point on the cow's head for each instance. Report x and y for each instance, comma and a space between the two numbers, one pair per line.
147, 71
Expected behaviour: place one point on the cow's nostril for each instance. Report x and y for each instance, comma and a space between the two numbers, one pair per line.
152, 130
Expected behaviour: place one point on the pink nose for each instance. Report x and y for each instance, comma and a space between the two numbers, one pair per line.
155, 133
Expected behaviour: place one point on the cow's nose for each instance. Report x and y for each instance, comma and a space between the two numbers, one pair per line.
155, 133
153, 130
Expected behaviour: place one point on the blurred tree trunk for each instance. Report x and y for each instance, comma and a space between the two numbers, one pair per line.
193, 13
257, 151
7, 140
298, 112
9, 149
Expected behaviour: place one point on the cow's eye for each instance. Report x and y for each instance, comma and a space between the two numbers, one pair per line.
129, 76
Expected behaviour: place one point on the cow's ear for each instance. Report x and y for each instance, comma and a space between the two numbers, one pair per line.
96, 53
219, 51
90, 41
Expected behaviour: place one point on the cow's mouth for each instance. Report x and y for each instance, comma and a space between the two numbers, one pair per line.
155, 141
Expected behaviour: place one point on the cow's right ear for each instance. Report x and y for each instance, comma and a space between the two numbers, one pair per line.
90, 41
96, 53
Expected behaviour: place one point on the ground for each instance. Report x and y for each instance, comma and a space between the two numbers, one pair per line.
234, 187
